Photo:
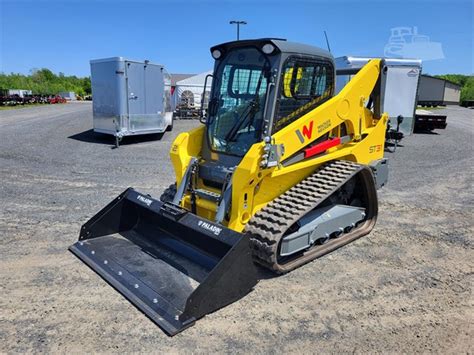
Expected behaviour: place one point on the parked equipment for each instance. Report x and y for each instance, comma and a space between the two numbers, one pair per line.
467, 103
68, 95
130, 97
188, 95
20, 92
281, 173
429, 121
56, 99
16, 99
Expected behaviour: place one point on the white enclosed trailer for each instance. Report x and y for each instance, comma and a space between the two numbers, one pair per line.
19, 92
130, 97
401, 86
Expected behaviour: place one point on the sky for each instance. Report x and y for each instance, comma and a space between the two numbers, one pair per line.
64, 35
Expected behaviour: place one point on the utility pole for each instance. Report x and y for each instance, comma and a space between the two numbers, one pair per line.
238, 23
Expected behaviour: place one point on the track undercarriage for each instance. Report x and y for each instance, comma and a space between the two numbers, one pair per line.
340, 183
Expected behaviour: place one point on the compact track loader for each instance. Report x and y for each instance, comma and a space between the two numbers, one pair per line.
280, 173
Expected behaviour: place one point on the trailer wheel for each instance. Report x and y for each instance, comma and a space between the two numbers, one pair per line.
170, 127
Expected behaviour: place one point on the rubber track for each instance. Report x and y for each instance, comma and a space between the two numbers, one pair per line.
268, 226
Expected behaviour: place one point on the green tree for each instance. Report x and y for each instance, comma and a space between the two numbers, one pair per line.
467, 92
44, 81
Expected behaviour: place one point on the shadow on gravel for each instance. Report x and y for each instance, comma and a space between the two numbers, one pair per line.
90, 136
265, 274
391, 148
427, 131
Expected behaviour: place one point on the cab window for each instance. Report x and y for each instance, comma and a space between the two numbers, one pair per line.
305, 84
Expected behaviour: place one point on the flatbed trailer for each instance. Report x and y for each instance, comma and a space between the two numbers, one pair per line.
428, 121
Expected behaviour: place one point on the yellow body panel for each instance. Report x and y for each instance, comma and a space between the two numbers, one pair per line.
254, 187
184, 147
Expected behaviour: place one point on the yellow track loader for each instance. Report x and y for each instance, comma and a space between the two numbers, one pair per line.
280, 173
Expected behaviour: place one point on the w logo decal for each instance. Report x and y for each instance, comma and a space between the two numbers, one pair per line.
307, 132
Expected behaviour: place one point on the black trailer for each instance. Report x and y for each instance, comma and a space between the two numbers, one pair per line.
429, 121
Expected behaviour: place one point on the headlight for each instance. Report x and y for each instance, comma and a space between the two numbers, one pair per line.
216, 54
268, 48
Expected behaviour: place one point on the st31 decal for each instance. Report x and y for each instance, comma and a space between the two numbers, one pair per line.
375, 148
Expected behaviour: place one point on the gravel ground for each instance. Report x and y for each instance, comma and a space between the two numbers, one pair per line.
407, 287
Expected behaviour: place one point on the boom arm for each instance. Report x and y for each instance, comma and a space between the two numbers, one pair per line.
348, 106
254, 187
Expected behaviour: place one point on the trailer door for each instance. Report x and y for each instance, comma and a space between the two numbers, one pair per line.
135, 94
400, 96
145, 98
154, 89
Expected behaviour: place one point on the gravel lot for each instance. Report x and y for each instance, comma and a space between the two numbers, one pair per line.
407, 287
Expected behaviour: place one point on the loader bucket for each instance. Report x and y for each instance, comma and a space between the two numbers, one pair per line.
173, 265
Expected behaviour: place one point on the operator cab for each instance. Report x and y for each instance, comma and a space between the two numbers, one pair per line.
258, 87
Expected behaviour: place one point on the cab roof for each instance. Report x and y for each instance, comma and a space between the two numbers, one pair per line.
282, 45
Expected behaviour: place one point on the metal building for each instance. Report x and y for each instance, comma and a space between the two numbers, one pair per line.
130, 97
438, 92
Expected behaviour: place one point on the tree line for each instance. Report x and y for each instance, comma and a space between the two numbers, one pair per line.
45, 82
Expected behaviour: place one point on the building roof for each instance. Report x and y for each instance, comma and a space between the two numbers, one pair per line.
445, 80
178, 77
196, 80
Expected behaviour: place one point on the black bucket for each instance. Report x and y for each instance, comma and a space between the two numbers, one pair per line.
173, 265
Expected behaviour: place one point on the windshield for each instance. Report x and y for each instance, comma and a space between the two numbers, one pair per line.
238, 100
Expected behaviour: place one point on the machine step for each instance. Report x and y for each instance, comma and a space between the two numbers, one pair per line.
208, 195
